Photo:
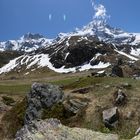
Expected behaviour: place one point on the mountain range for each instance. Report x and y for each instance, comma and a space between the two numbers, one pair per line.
96, 46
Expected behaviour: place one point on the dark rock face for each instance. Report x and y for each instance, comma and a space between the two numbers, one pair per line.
78, 53
110, 117
58, 60
41, 96
120, 98
117, 71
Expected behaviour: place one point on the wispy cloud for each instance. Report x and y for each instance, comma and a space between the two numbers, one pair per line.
99, 11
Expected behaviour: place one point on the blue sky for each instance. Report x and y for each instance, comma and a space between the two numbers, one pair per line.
18, 17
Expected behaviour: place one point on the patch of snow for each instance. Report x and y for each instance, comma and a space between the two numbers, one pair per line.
95, 57
66, 55
33, 70
26, 73
43, 60
129, 56
10, 66
135, 52
101, 65
100, 72
33, 61
137, 39
67, 42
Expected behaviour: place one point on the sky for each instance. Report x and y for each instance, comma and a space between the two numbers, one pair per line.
50, 17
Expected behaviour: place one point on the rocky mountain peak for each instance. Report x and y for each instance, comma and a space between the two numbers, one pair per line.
32, 36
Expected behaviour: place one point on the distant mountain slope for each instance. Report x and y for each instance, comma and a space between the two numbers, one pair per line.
27, 43
96, 46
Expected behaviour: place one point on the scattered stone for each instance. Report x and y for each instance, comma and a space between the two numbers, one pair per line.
138, 131
119, 97
100, 74
126, 85
107, 86
74, 105
110, 117
3, 107
82, 90
130, 115
40, 97
93, 73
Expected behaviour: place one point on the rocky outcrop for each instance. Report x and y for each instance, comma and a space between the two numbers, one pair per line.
110, 117
40, 97
52, 129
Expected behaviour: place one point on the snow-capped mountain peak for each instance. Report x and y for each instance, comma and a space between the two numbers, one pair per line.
27, 43
99, 28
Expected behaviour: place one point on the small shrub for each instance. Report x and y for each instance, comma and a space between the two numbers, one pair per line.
13, 120
8, 100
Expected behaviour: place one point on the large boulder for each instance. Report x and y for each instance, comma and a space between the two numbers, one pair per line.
110, 117
52, 129
40, 97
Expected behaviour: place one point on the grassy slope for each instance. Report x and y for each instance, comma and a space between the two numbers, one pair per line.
101, 97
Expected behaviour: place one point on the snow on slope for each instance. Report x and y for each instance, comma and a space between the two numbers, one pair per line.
98, 27
11, 65
137, 39
42, 60
129, 56
135, 52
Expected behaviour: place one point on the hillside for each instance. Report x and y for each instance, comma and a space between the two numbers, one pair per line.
80, 85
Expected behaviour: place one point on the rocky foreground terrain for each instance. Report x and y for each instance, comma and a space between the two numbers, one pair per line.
97, 111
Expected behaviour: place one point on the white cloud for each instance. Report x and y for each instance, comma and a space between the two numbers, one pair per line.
100, 11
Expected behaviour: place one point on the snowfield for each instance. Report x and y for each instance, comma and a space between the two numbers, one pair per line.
42, 60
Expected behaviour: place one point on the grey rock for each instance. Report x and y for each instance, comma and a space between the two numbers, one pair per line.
74, 105
110, 117
82, 90
120, 97
126, 85
41, 96
52, 129
137, 131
